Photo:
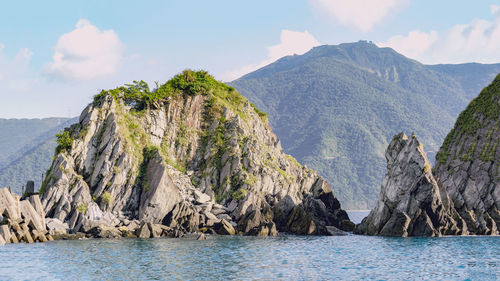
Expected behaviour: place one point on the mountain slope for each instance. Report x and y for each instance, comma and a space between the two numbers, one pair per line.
18, 134
31, 160
336, 108
473, 77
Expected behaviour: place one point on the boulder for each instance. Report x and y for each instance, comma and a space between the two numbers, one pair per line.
143, 231
30, 188
224, 228
55, 226
104, 231
155, 229
200, 197
31, 217
255, 216
333, 231
37, 205
5, 233
25, 234
9, 204
126, 232
161, 196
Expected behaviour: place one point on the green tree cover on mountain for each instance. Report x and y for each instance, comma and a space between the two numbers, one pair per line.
336, 108
17, 134
30, 161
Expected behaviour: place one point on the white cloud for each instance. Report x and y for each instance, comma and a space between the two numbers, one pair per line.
86, 53
416, 43
291, 42
360, 14
15, 73
495, 10
477, 41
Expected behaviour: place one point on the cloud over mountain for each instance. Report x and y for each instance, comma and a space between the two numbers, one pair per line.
85, 53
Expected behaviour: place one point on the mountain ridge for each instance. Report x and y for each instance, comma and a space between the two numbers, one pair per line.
333, 101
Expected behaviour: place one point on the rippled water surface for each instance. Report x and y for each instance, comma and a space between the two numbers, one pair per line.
242, 258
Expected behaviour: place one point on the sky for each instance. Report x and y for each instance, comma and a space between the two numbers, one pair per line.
56, 55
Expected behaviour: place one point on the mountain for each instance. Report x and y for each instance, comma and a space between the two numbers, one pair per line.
17, 134
336, 108
411, 203
191, 155
26, 149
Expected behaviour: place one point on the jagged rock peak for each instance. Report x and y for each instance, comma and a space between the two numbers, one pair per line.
410, 203
467, 164
192, 155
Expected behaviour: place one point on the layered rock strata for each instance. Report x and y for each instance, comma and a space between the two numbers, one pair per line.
411, 203
468, 163
21, 220
200, 158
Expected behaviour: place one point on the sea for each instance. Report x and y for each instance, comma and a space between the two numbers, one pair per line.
285, 257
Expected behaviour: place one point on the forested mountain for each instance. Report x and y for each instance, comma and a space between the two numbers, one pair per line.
26, 149
336, 108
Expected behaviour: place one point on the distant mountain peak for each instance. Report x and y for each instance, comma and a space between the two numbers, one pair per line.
348, 100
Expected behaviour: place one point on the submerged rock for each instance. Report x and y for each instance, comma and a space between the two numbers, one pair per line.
195, 155
411, 203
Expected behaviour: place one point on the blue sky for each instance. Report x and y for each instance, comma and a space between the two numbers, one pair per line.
55, 55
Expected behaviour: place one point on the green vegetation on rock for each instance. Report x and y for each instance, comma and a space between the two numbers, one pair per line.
82, 208
106, 197
64, 141
477, 115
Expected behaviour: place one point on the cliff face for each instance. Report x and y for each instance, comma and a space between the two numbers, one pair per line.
411, 203
193, 155
461, 196
468, 162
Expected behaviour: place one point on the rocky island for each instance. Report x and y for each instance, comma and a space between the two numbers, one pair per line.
191, 156
460, 196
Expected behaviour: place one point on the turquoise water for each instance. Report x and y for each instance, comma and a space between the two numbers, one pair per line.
244, 258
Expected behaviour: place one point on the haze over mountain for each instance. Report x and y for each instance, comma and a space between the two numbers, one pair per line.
26, 149
336, 108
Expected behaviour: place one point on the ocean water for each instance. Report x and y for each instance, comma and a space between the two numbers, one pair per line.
285, 257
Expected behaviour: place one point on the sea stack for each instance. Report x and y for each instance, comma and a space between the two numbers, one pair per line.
461, 196
411, 203
192, 155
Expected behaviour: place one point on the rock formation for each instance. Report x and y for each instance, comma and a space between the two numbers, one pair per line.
411, 203
21, 220
468, 163
461, 196
190, 156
